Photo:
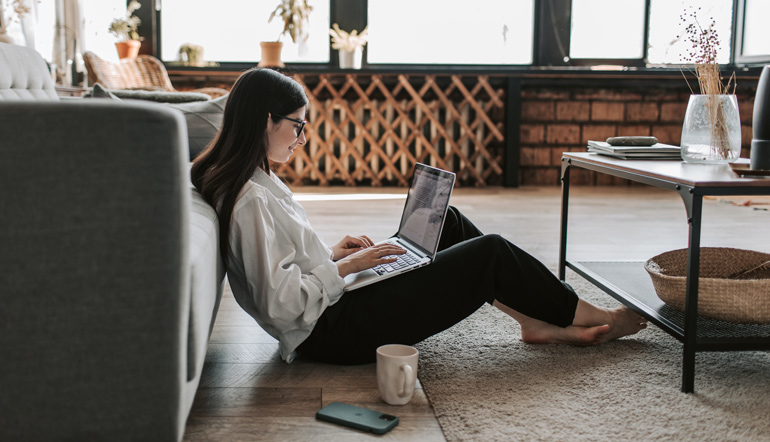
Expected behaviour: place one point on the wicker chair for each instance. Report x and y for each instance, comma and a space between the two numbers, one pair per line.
144, 72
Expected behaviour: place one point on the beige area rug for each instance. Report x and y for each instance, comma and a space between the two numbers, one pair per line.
486, 385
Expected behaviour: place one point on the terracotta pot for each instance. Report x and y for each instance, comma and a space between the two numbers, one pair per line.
271, 54
128, 49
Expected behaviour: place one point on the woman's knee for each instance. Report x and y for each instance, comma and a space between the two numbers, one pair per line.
452, 216
494, 240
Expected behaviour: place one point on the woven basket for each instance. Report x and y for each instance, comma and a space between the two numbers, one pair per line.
734, 284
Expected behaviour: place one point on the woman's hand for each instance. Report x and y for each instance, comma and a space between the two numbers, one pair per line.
368, 258
350, 245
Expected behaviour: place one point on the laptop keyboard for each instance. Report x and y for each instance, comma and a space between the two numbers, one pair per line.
405, 260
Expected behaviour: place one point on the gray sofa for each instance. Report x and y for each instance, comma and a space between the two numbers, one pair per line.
111, 277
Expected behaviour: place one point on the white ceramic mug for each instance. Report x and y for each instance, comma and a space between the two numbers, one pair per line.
397, 372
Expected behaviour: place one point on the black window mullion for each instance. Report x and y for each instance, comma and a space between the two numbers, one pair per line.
736, 37
148, 30
646, 39
552, 32
349, 14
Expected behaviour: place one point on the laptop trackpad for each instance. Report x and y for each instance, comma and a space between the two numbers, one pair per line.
355, 278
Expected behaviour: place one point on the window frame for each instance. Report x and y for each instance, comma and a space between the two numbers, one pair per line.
628, 62
551, 42
739, 22
350, 14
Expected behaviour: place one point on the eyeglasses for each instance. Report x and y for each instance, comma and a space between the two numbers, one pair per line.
301, 123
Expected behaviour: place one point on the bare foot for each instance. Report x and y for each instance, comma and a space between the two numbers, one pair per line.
623, 322
534, 331
592, 325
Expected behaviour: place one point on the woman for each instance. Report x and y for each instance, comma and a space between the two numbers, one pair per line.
284, 276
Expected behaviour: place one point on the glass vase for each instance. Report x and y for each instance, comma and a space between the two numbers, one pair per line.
711, 132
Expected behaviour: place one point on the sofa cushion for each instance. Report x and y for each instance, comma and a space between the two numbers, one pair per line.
203, 121
157, 96
99, 91
24, 76
203, 117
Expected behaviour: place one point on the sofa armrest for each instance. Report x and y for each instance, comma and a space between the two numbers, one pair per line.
95, 287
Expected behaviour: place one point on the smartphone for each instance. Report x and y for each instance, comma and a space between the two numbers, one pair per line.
357, 417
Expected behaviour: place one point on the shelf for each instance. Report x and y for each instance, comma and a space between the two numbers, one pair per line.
630, 284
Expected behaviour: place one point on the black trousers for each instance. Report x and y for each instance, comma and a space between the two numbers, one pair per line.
470, 269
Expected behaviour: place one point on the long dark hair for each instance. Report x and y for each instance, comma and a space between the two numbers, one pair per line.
223, 168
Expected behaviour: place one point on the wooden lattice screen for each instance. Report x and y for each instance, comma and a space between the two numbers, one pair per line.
370, 129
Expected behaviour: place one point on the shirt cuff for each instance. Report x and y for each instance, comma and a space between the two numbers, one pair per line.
333, 283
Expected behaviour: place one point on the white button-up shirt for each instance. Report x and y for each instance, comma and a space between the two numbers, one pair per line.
280, 271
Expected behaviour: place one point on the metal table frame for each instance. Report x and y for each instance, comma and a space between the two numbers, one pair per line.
692, 193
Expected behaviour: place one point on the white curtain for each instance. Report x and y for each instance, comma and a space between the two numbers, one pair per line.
28, 23
69, 40
2, 18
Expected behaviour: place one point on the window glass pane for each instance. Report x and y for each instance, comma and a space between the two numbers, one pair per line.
12, 23
230, 30
436, 31
23, 27
98, 14
44, 28
667, 41
607, 29
756, 32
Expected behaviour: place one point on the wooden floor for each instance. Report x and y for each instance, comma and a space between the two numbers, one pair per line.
248, 393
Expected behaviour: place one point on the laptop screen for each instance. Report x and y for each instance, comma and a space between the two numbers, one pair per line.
426, 206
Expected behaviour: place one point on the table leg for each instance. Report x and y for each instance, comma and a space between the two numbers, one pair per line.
691, 290
565, 168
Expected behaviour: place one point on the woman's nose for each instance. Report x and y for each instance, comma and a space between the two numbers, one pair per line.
301, 139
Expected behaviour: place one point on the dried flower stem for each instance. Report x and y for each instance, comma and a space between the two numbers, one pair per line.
703, 53
345, 41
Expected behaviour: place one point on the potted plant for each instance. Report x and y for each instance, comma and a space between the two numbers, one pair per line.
351, 46
125, 29
295, 15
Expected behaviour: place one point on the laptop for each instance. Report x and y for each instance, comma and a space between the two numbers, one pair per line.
421, 223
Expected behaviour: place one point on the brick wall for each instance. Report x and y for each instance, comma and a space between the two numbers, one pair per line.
561, 119
560, 114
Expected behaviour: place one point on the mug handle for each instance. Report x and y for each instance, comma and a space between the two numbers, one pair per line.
409, 381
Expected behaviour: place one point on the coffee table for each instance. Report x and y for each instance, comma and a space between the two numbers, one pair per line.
630, 284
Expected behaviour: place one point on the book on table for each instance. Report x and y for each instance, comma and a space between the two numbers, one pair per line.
657, 151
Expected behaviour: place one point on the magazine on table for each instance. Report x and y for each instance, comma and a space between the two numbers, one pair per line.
657, 151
